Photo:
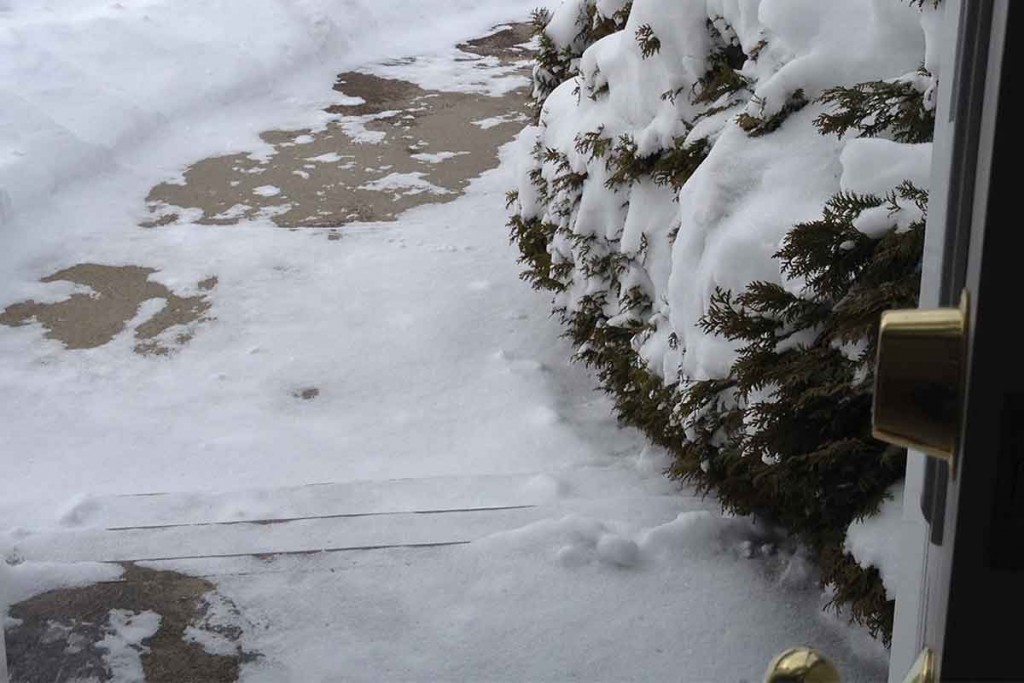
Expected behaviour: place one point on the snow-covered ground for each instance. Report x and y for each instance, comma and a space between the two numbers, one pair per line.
440, 383
287, 304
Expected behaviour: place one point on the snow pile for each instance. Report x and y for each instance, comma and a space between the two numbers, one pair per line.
82, 81
583, 540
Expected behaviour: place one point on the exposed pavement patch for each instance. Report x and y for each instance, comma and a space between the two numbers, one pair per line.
67, 634
506, 42
116, 293
395, 145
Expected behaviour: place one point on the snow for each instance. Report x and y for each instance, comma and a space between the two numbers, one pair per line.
838, 44
882, 540
123, 643
737, 208
499, 120
563, 26
212, 632
875, 166
211, 642
734, 211
445, 71
328, 158
612, 591
21, 580
616, 550
267, 191
437, 157
405, 184
355, 128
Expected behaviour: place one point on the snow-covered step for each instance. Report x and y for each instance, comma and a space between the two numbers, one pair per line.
271, 538
301, 548
302, 564
353, 498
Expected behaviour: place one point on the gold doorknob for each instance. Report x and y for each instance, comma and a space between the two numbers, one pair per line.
919, 379
801, 665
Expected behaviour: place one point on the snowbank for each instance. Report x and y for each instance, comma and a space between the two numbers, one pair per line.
81, 81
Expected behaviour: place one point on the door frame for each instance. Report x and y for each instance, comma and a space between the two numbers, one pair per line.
970, 568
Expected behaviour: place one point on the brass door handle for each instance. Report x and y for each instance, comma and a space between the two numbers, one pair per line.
804, 665
919, 379
801, 665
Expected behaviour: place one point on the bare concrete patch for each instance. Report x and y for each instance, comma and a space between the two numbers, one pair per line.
395, 147
89, 320
505, 43
57, 636
378, 94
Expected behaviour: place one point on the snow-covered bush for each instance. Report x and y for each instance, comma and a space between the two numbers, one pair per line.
562, 37
723, 196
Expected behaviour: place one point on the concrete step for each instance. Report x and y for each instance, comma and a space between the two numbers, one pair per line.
256, 538
447, 493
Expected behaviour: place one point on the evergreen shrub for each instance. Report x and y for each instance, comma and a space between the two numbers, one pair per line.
786, 434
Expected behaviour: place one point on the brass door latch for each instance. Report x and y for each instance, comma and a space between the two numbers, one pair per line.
919, 379
804, 665
801, 665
